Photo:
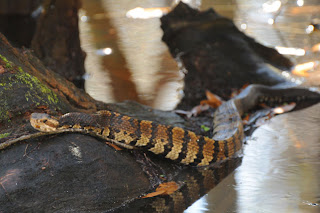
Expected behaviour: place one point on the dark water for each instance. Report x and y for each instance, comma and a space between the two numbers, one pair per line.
126, 59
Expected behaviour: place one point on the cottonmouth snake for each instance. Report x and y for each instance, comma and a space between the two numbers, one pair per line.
174, 143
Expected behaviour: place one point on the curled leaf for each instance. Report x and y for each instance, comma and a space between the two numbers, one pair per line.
1, 69
213, 100
164, 189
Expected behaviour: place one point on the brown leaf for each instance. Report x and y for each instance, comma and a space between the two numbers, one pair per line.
1, 69
42, 107
164, 189
113, 146
153, 194
213, 100
245, 120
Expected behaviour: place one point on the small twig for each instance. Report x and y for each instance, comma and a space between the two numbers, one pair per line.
25, 153
22, 138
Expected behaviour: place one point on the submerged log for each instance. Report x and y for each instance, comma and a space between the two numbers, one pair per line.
216, 55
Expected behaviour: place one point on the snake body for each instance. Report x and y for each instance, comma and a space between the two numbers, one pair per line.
174, 143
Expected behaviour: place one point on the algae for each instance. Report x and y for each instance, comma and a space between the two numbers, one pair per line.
8, 64
35, 85
35, 92
4, 135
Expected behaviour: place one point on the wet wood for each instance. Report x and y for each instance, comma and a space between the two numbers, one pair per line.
42, 173
216, 55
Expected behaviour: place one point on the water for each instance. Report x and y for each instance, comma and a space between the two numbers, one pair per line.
126, 59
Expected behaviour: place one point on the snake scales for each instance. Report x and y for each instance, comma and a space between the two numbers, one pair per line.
174, 143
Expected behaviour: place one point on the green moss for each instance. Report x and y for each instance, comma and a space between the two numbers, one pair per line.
35, 85
35, 92
4, 59
4, 135
8, 64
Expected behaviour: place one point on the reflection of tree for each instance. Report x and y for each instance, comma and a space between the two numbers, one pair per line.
140, 43
114, 66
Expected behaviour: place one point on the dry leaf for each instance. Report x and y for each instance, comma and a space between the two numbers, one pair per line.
164, 189
42, 107
113, 146
245, 120
213, 100
1, 69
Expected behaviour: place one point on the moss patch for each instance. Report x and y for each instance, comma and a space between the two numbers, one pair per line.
4, 135
36, 86
20, 90
7, 63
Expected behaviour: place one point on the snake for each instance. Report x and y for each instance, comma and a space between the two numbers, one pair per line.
172, 142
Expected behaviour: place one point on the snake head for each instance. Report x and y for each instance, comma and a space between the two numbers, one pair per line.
43, 122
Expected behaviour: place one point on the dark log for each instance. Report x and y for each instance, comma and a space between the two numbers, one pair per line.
217, 56
27, 85
76, 172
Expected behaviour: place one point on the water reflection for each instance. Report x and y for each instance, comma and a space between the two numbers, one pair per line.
138, 67
280, 167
